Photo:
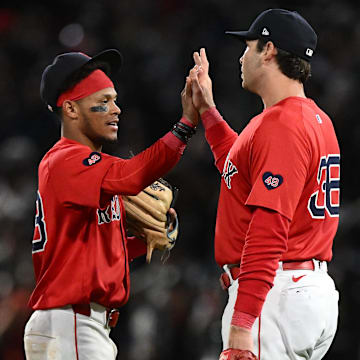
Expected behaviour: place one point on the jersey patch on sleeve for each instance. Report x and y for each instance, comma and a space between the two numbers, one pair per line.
272, 181
93, 159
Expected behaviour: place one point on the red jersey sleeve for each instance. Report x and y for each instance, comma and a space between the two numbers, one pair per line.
76, 174
265, 242
79, 175
130, 176
279, 159
219, 135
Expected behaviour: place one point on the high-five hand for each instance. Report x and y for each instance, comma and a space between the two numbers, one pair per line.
201, 83
189, 110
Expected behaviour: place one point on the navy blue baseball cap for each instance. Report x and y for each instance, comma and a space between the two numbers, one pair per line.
288, 30
64, 65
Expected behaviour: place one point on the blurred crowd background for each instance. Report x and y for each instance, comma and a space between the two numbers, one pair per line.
175, 308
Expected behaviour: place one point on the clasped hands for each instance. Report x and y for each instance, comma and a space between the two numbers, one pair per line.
197, 96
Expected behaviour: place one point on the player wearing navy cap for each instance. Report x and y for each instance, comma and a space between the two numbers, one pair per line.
80, 249
278, 208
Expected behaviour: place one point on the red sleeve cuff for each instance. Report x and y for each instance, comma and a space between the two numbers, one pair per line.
243, 320
211, 117
187, 122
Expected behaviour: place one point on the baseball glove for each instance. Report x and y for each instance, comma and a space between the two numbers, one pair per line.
148, 216
236, 354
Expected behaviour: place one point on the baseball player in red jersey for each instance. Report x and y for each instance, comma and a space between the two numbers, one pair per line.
80, 249
278, 208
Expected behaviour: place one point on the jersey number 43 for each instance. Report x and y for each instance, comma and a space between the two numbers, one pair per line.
40, 236
327, 198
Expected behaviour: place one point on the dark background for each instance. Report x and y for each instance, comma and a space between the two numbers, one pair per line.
175, 309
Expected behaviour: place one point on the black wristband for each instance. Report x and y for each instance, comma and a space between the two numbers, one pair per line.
183, 132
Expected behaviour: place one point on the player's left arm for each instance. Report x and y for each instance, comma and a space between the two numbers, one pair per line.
279, 162
266, 241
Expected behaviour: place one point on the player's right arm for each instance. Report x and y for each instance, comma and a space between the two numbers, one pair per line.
218, 133
130, 176
79, 177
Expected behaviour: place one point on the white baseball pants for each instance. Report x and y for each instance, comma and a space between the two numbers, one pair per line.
60, 334
299, 317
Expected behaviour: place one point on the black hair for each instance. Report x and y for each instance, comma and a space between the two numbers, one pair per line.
290, 65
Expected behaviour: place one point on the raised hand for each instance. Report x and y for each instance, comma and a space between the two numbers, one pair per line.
189, 111
201, 83
202, 62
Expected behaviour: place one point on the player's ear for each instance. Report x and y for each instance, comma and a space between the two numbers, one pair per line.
70, 109
269, 51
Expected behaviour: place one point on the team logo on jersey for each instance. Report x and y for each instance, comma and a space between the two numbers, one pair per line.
271, 181
229, 171
111, 213
93, 158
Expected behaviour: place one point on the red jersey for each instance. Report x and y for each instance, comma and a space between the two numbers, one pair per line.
287, 159
80, 249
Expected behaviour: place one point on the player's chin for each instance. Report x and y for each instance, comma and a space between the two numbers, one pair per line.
109, 138
241, 80
242, 83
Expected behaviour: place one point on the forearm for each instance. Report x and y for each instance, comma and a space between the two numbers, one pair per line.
266, 240
129, 177
219, 135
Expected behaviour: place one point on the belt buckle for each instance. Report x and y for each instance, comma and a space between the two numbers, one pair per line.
112, 318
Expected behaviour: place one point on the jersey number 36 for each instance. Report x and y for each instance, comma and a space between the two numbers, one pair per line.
327, 198
40, 236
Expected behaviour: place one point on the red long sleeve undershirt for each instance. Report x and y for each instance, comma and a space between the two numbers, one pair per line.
265, 242
266, 238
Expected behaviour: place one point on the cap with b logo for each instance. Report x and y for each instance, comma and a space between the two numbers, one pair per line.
288, 30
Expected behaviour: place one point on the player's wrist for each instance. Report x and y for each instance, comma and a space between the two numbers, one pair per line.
183, 131
186, 120
243, 320
206, 107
